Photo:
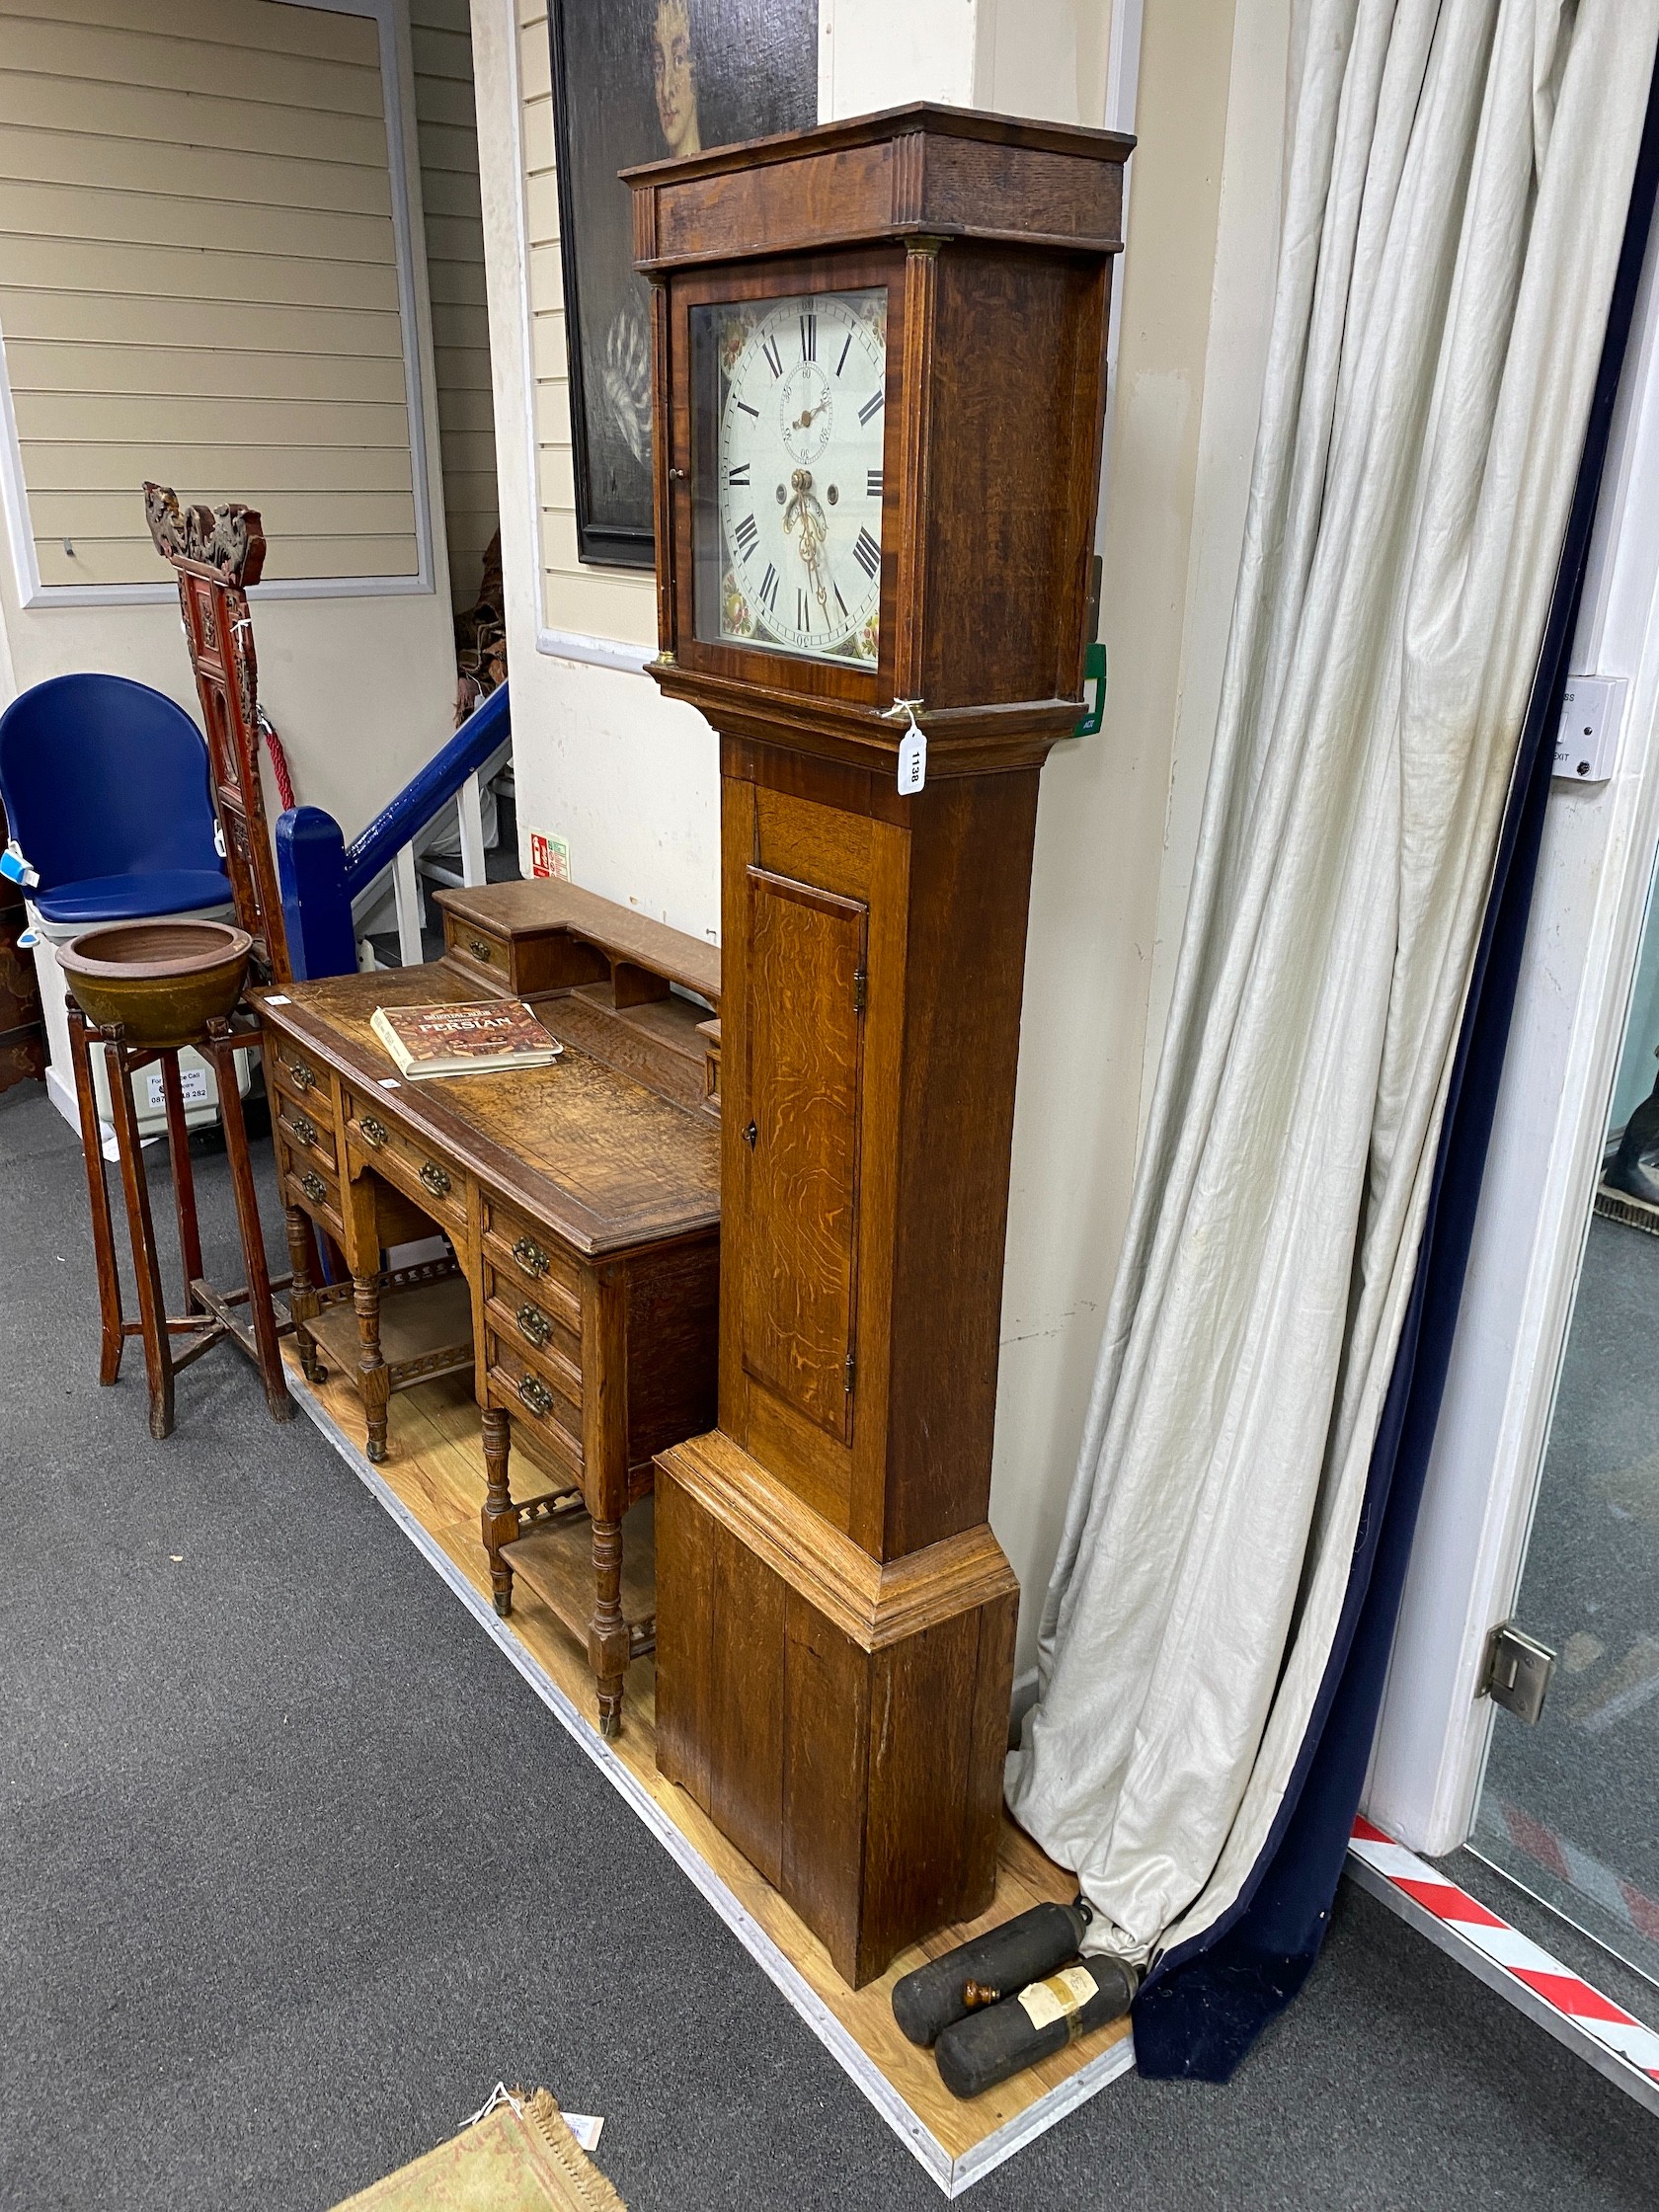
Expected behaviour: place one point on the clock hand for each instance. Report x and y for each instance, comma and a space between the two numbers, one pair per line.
805, 509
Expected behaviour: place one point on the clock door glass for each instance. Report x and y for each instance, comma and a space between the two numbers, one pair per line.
791, 420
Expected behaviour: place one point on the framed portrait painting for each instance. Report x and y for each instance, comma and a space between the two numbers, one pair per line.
638, 80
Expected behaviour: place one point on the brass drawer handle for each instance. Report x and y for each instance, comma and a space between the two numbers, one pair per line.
535, 1394
479, 948
304, 1130
315, 1189
534, 1324
303, 1079
435, 1180
372, 1132
531, 1257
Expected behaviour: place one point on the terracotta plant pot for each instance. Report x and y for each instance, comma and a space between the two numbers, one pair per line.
164, 982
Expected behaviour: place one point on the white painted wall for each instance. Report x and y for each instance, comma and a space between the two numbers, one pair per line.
633, 781
362, 688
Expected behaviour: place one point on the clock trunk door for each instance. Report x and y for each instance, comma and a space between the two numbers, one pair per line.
805, 956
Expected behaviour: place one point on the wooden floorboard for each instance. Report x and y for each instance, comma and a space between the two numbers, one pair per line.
435, 1467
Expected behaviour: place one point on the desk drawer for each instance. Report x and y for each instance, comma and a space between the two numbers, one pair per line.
475, 946
436, 1187
541, 1332
311, 1187
303, 1078
308, 1129
540, 1408
531, 1258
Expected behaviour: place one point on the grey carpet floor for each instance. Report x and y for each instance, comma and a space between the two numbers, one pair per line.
294, 1866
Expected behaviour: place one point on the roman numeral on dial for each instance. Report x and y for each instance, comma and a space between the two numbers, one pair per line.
872, 406
845, 350
774, 359
872, 483
747, 535
803, 609
769, 590
739, 475
809, 337
867, 553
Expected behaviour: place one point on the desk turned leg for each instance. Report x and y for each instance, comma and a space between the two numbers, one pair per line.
302, 1292
500, 1515
373, 1383
607, 1632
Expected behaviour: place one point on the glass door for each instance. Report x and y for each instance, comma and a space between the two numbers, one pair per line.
1570, 1807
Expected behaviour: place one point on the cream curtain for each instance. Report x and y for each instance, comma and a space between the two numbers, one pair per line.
1455, 185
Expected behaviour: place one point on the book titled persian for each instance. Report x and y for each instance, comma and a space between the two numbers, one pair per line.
464, 1039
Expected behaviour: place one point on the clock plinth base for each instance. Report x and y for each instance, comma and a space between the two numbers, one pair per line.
844, 1722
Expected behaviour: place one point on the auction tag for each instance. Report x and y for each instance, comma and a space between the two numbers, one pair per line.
1061, 1997
912, 760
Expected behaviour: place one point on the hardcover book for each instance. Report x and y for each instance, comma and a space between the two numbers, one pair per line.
472, 1039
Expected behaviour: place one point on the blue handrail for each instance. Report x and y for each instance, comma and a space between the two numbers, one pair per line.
321, 875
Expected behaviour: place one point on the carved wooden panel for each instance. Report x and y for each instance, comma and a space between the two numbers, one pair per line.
218, 554
805, 955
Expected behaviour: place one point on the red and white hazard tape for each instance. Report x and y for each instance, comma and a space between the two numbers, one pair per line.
1535, 1979
1559, 1857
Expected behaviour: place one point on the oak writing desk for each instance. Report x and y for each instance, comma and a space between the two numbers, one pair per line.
583, 1207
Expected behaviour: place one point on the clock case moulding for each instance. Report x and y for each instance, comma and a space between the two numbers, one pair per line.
835, 1618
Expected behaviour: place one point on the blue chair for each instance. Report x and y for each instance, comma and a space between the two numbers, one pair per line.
105, 787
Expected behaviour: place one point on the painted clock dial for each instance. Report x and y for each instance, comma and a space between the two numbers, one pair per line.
800, 429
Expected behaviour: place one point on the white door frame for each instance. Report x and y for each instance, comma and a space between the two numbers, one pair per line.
1576, 977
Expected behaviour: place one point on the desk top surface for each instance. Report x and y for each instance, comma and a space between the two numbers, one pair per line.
599, 1159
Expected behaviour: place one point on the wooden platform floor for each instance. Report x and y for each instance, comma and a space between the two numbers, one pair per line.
434, 1466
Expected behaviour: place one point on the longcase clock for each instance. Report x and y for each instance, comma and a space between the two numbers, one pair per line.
879, 383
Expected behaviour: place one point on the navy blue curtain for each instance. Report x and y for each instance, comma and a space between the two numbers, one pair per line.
1205, 2004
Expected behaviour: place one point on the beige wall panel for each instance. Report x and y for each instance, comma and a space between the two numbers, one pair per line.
112, 369
461, 371
458, 327
548, 357
449, 142
556, 478
448, 146
535, 67
61, 157
541, 209
119, 512
77, 317
110, 338
64, 212
314, 32
457, 283
547, 277
110, 53
259, 469
61, 417
96, 267
135, 560
445, 107
188, 119
449, 191
471, 452
471, 411
606, 603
